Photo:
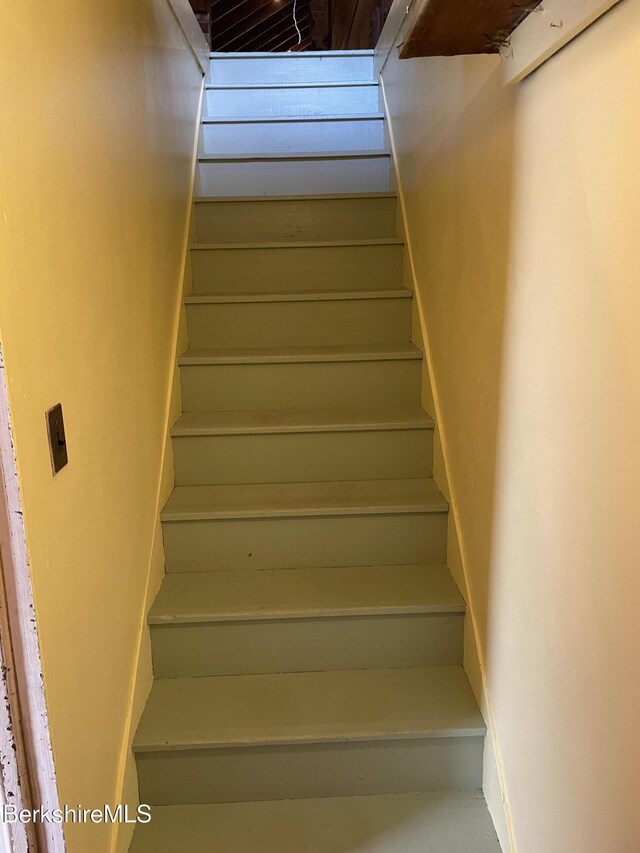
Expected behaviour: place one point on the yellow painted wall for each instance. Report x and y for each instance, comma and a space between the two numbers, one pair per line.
523, 212
98, 117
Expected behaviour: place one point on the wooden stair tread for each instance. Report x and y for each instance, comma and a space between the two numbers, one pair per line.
273, 355
258, 119
298, 296
299, 593
225, 199
301, 244
294, 155
309, 707
334, 84
301, 420
287, 500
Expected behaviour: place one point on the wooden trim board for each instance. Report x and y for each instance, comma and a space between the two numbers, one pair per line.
546, 31
192, 32
28, 720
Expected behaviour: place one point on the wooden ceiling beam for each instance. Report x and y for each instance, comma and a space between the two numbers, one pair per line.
455, 27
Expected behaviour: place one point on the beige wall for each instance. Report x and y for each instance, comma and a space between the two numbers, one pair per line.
523, 209
99, 106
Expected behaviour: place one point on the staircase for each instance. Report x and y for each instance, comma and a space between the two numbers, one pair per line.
307, 638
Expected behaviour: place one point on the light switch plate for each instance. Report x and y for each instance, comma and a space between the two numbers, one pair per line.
57, 439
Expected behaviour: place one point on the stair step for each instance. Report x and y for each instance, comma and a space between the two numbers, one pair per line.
304, 383
310, 707
301, 354
301, 420
302, 620
441, 822
316, 197
308, 98
302, 445
300, 377
307, 244
299, 296
285, 219
297, 265
304, 84
239, 134
305, 456
293, 119
237, 157
257, 737
297, 246
276, 173
303, 593
304, 525
299, 500
278, 67
366, 318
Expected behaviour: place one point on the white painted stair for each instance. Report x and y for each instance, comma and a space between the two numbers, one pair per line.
309, 693
238, 135
279, 125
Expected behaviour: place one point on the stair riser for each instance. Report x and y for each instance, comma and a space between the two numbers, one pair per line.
303, 101
299, 457
297, 136
305, 645
311, 542
293, 177
242, 387
310, 69
289, 220
324, 770
264, 270
263, 324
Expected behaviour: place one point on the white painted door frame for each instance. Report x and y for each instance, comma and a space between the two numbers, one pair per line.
28, 774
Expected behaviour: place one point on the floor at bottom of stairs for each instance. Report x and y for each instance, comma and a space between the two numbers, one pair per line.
441, 822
